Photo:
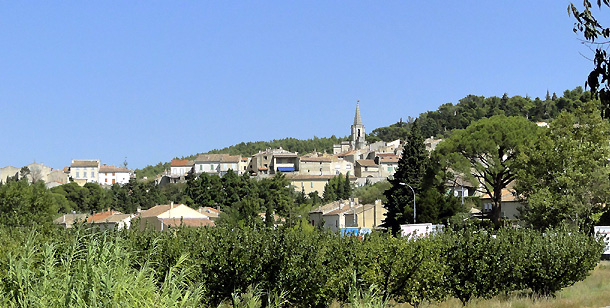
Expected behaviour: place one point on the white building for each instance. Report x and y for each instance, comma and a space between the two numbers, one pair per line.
109, 175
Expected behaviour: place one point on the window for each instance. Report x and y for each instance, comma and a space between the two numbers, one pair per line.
113, 174
311, 184
91, 174
113, 181
200, 167
106, 180
211, 167
77, 174
389, 169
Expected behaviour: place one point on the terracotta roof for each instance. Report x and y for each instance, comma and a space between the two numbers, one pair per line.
112, 218
389, 159
245, 159
262, 168
188, 222
101, 216
507, 196
181, 163
209, 211
85, 163
113, 169
66, 169
367, 163
386, 154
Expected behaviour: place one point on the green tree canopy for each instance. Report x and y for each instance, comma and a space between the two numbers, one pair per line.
487, 150
412, 167
565, 174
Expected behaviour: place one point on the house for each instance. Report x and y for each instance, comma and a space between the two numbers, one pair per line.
110, 220
348, 214
211, 212
365, 216
85, 171
161, 217
58, 176
68, 220
366, 168
181, 167
510, 204
314, 164
101, 215
272, 161
109, 175
309, 183
218, 164
431, 143
388, 164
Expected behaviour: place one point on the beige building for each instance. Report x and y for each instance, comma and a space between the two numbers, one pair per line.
58, 176
161, 217
387, 164
510, 204
348, 214
272, 161
8, 171
68, 220
85, 171
308, 183
366, 168
316, 165
218, 164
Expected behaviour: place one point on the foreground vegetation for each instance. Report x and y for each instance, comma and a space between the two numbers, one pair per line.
297, 266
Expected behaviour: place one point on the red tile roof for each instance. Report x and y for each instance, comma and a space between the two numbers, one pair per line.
101, 216
181, 163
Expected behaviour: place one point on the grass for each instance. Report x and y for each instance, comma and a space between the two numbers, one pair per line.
592, 292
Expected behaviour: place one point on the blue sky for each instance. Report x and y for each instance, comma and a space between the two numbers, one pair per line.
152, 80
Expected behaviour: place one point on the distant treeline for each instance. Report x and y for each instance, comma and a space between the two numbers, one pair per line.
438, 123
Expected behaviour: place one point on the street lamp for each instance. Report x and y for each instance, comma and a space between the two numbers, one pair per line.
414, 211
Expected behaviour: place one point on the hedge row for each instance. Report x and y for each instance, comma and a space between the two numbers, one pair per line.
208, 266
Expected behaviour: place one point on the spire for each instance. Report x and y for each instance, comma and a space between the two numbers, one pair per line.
357, 119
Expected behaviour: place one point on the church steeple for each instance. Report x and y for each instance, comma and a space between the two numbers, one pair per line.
358, 134
357, 119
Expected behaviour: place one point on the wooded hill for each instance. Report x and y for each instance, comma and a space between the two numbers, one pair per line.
438, 123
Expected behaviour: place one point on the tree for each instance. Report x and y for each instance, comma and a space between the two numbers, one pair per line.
27, 205
412, 167
564, 175
488, 151
589, 26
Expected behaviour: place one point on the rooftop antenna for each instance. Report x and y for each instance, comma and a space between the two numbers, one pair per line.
125, 162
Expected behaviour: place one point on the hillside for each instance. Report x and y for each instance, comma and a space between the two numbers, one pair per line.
437, 123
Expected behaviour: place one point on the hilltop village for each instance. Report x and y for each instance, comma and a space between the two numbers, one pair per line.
357, 160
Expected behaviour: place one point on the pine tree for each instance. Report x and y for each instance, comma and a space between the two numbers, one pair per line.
411, 171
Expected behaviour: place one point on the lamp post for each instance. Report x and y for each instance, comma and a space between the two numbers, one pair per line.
414, 210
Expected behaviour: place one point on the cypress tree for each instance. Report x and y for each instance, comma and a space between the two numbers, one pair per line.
412, 167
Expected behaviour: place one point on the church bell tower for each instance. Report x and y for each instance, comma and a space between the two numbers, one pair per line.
358, 141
